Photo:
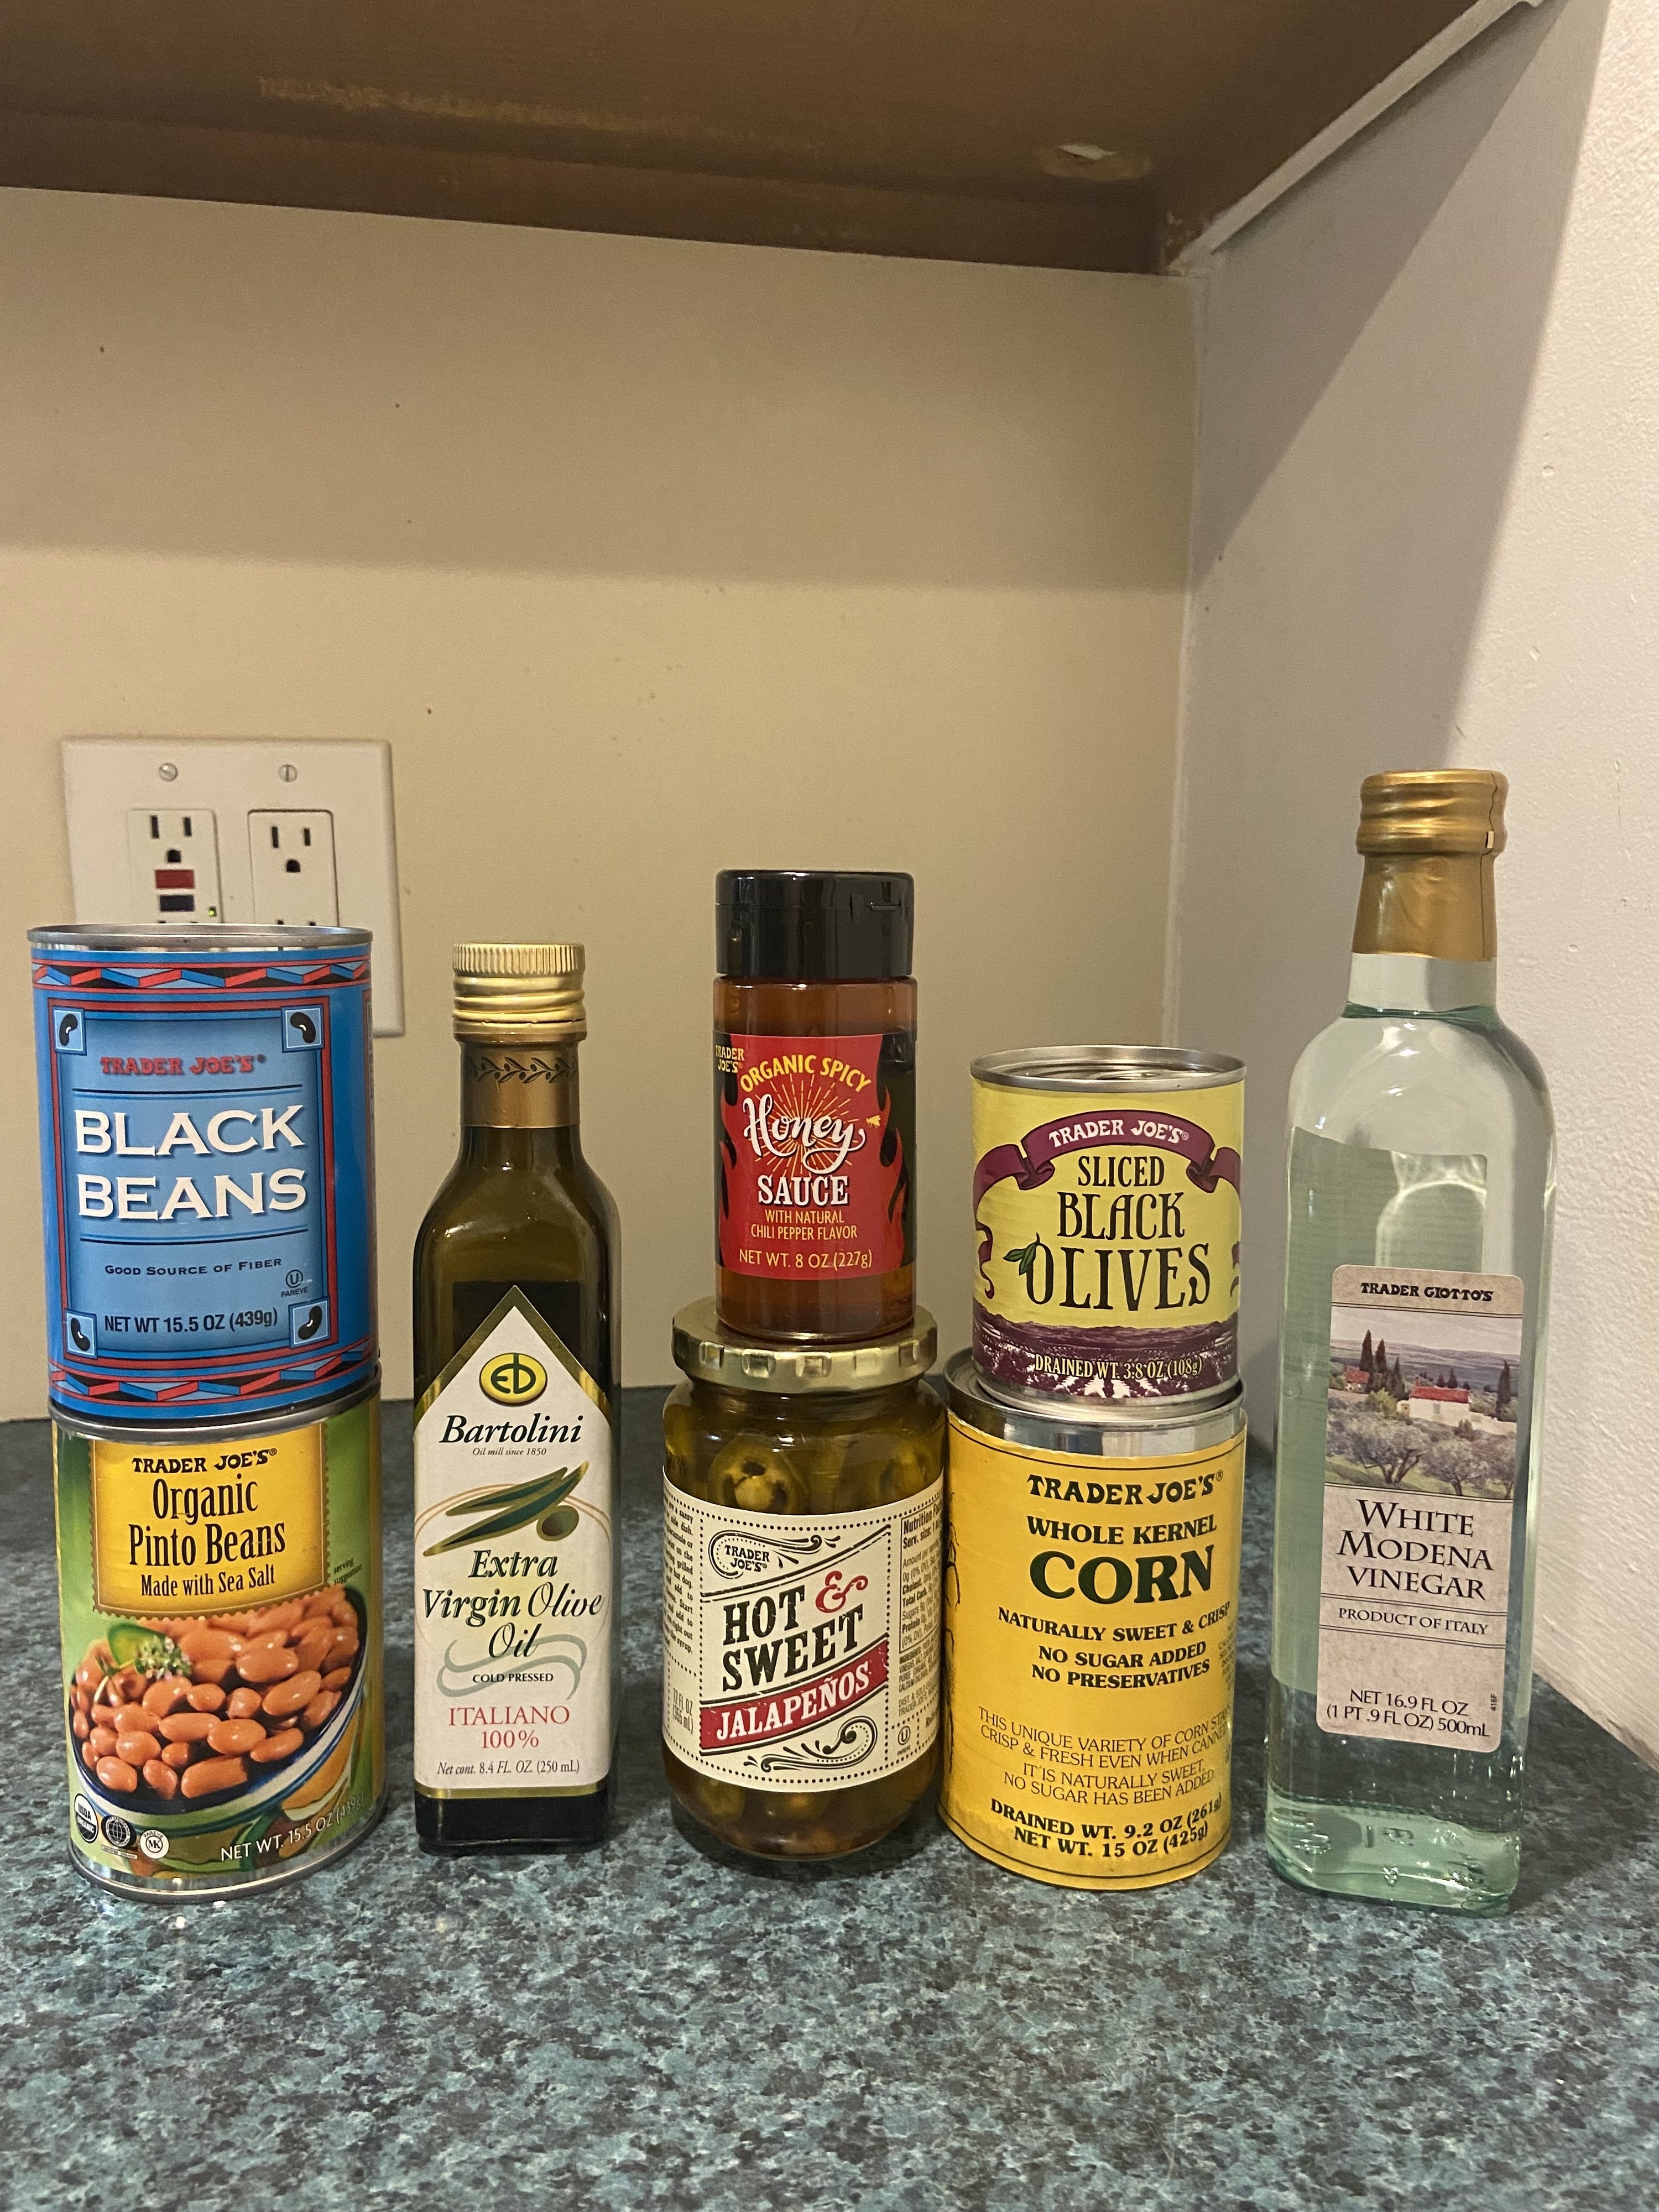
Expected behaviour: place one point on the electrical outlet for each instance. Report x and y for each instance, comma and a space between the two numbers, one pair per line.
172, 865
233, 793
292, 856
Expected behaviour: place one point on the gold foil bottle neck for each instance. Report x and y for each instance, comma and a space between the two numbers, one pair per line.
1429, 837
522, 994
1451, 811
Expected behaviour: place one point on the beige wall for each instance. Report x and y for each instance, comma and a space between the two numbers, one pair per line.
647, 558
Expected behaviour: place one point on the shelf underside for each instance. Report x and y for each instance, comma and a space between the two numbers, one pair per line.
1088, 133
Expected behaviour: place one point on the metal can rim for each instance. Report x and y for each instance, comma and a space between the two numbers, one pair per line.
232, 938
1106, 1067
270, 1423
1140, 1428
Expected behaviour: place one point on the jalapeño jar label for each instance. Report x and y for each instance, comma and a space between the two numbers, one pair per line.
1090, 1616
800, 1652
220, 1601
812, 1174
1108, 1236
515, 1569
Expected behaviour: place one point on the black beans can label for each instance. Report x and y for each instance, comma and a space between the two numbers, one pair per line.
220, 1607
800, 1652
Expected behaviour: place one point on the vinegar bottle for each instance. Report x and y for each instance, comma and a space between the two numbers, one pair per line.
1421, 1182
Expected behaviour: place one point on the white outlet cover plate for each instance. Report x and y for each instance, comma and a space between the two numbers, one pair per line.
351, 778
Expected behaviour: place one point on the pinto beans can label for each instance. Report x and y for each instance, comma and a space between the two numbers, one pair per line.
220, 1605
1107, 1215
800, 1652
811, 1170
207, 1170
1090, 1615
515, 1500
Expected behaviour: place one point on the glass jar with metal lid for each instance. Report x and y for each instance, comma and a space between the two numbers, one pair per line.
803, 1518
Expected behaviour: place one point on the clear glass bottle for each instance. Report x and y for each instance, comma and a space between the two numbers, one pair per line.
1420, 1185
516, 1363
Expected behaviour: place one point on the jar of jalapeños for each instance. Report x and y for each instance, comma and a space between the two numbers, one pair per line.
815, 1057
803, 1516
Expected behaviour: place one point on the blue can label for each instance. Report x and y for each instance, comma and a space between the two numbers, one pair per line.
207, 1180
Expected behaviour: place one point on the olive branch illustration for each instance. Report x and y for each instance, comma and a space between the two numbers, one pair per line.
540, 1500
1025, 1258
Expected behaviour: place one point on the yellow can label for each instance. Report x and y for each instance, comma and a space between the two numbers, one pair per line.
1091, 1611
207, 1528
1108, 1233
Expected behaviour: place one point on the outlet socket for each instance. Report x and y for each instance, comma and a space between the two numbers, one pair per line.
172, 867
346, 783
291, 855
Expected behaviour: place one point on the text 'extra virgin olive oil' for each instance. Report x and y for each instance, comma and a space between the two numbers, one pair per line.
516, 1362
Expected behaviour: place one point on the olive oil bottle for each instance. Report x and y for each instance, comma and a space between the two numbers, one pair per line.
516, 1363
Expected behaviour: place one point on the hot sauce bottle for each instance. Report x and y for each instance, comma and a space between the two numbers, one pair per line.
815, 1056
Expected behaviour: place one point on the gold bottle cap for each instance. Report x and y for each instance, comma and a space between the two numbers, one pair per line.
710, 1353
1432, 810
529, 993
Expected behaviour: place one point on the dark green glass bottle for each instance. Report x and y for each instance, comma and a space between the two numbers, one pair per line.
516, 1363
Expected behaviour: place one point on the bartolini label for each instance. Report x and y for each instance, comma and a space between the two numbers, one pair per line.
811, 1170
800, 1652
1108, 1229
514, 1569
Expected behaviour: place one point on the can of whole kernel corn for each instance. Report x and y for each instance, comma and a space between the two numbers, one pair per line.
1106, 1207
1090, 1608
219, 1595
207, 1169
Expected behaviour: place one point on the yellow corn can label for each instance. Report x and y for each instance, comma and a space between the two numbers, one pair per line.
1090, 1608
1108, 1230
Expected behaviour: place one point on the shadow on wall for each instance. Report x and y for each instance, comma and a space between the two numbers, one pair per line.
1367, 355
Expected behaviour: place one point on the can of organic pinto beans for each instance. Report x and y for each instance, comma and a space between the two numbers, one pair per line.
219, 1595
1106, 1205
1091, 1607
207, 1169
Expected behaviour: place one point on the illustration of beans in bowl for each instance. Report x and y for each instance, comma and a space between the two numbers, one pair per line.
200, 1711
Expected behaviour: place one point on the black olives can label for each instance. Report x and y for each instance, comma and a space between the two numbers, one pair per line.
800, 1652
220, 1608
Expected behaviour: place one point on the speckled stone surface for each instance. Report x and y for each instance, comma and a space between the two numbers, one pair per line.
642, 2027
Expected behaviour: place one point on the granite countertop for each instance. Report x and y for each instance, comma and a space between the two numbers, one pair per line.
641, 2026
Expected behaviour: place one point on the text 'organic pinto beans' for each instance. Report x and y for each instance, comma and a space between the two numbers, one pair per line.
1106, 1192
220, 1605
1090, 1608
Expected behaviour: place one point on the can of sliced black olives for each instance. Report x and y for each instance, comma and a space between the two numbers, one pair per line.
220, 1609
803, 1501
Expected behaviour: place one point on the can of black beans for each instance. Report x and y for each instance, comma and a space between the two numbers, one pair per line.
219, 1596
207, 1169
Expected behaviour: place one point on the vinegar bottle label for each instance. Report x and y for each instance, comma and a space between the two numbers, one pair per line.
1422, 1394
514, 1568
